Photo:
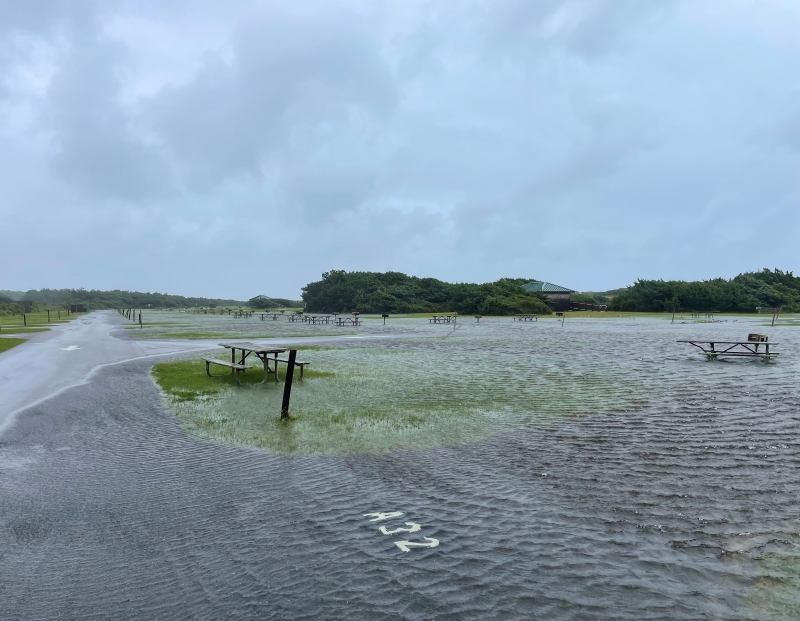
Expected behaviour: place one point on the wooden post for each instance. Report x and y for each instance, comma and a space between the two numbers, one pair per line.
25, 320
776, 314
59, 315
140, 319
673, 315
287, 386
48, 316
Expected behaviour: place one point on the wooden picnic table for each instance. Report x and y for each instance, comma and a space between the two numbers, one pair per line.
525, 317
315, 319
443, 319
263, 353
749, 348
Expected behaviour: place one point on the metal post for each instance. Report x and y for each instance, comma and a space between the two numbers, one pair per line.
140, 319
24, 320
287, 386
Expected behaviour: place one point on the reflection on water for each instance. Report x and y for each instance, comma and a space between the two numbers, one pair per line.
672, 495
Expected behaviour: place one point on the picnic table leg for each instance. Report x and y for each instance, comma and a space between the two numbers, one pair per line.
233, 358
208, 372
276, 369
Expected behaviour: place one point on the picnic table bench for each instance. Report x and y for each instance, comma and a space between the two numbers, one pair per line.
235, 368
297, 363
747, 349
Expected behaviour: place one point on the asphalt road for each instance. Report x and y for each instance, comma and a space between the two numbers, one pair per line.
68, 355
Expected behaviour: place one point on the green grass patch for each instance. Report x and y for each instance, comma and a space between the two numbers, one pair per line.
223, 336
187, 380
36, 322
6, 344
21, 330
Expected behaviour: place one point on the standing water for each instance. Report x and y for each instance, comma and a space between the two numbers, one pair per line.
598, 470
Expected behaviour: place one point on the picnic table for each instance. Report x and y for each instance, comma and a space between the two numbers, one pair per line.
315, 319
443, 319
348, 321
263, 353
273, 316
525, 317
747, 349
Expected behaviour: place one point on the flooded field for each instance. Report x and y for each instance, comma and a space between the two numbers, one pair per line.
596, 470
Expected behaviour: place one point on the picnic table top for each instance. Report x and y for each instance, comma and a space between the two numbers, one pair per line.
261, 349
727, 342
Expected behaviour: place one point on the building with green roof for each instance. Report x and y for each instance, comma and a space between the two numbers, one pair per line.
556, 295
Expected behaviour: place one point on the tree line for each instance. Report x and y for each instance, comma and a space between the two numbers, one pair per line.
95, 299
395, 292
745, 293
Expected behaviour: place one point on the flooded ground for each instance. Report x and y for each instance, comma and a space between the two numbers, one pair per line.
604, 472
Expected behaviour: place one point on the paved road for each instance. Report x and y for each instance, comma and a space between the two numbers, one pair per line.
66, 356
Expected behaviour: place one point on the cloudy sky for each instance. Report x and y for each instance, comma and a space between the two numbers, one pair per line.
232, 148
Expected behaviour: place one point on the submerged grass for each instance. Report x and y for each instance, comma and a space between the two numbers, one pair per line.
379, 399
218, 335
8, 343
374, 396
775, 594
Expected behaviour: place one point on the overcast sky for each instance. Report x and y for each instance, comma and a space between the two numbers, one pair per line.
227, 149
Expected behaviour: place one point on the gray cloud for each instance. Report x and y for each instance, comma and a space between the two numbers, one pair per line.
588, 142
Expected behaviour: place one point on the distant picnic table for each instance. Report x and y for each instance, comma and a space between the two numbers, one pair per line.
443, 319
525, 317
315, 319
714, 349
